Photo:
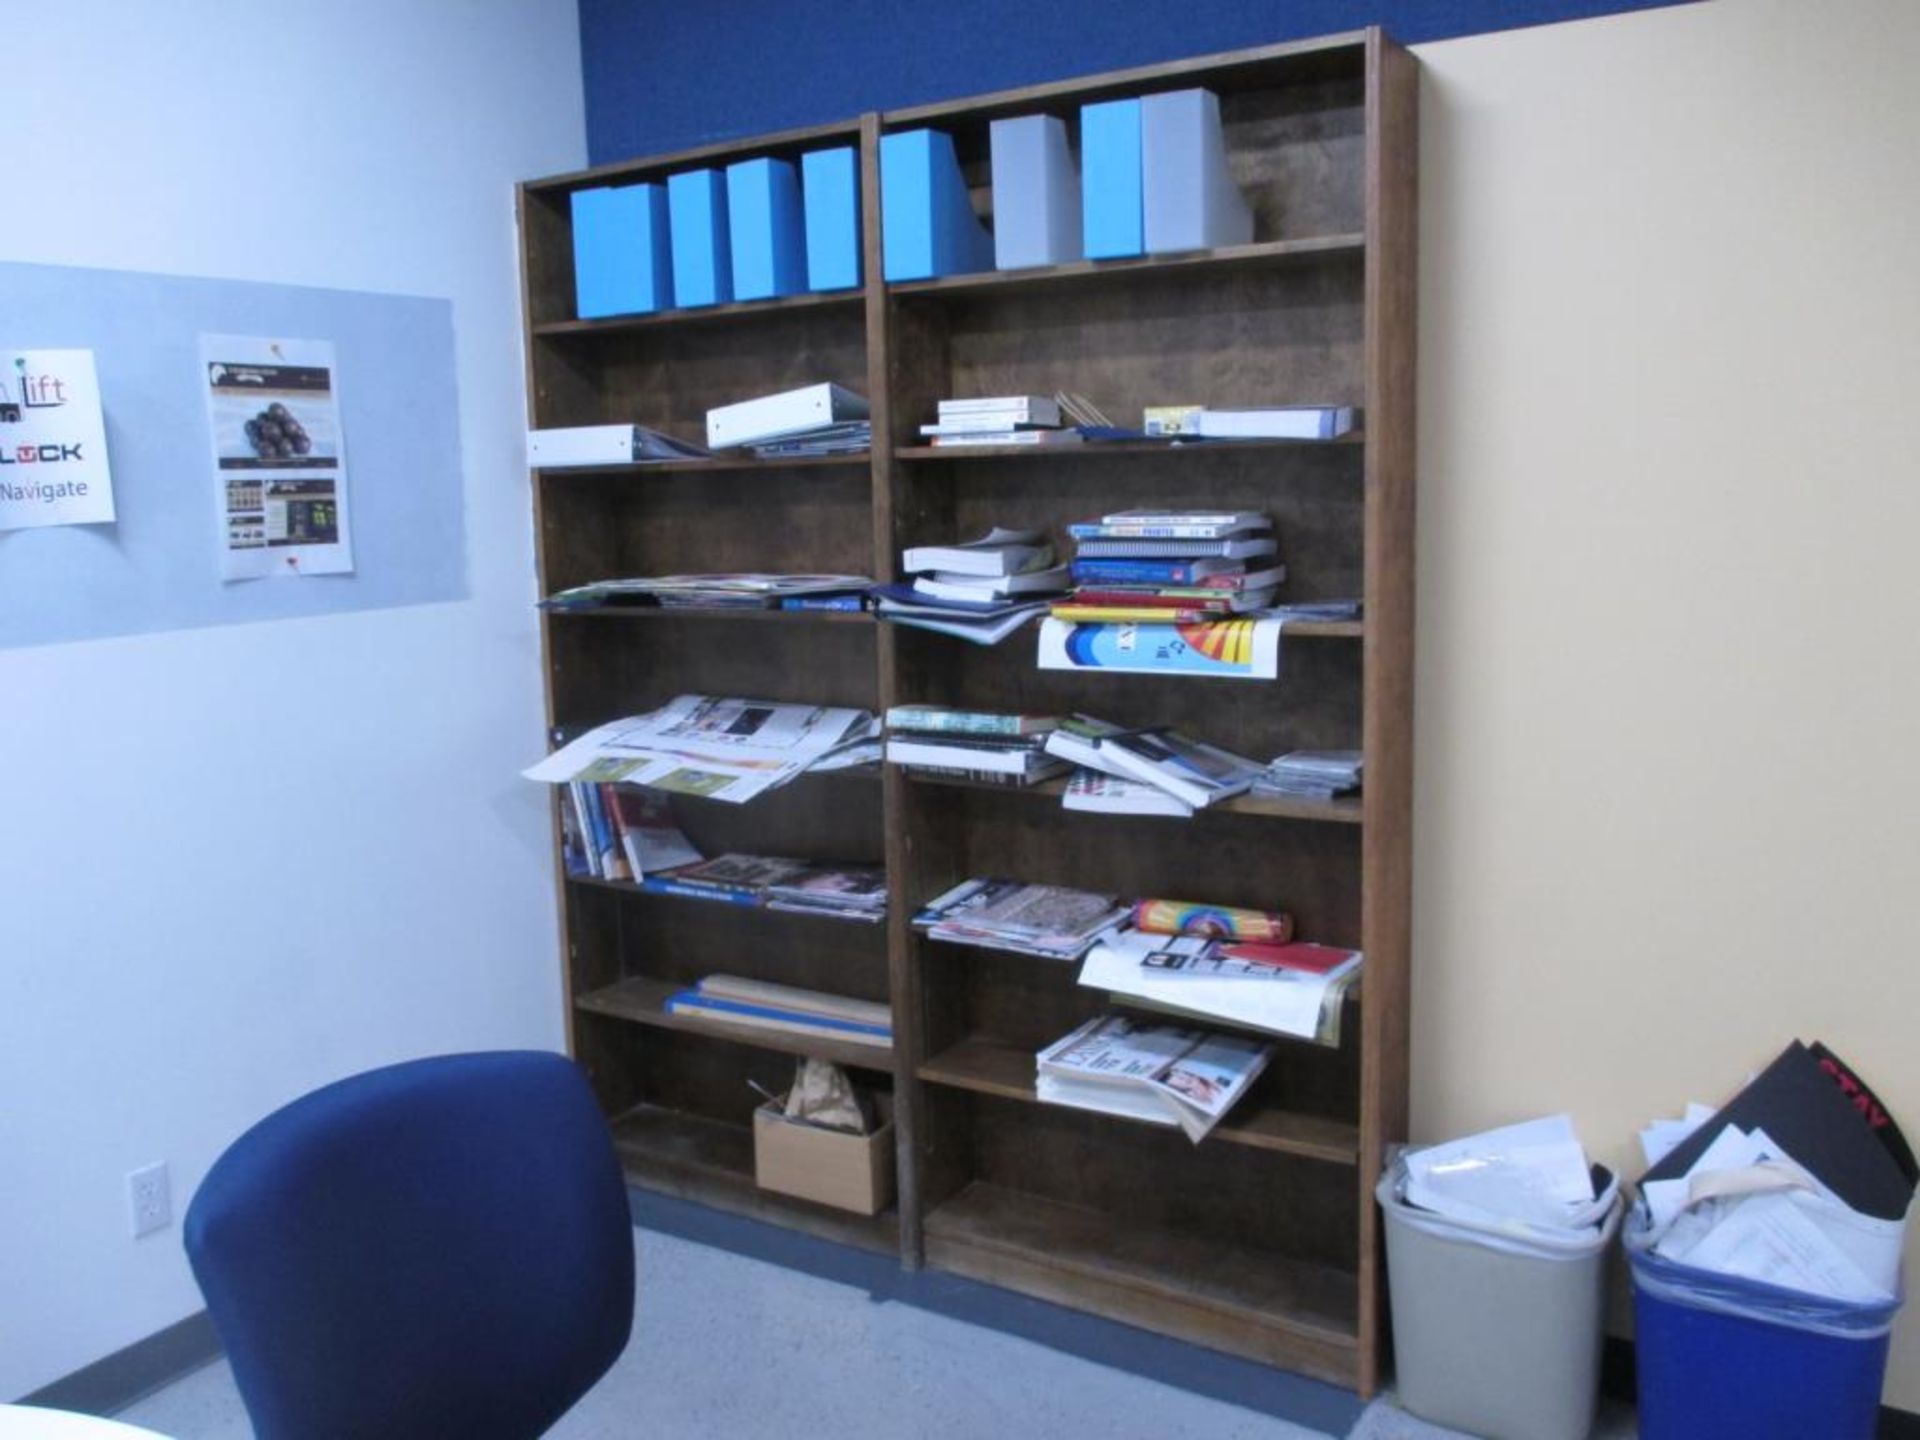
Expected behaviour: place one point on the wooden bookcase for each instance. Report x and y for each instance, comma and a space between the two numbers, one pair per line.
1262, 1241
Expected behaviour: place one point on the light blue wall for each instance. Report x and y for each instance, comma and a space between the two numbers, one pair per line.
157, 566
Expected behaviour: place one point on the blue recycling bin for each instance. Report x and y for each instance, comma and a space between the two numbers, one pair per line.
1722, 1358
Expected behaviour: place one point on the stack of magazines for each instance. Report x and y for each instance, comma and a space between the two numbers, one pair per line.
1049, 921
763, 1005
848, 892
1158, 771
1313, 774
973, 745
741, 590
1163, 1074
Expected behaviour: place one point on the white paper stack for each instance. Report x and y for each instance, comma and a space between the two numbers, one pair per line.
1534, 1174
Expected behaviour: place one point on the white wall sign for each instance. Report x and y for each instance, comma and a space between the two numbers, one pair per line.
280, 471
53, 441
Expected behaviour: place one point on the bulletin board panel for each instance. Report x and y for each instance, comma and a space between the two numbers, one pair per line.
157, 566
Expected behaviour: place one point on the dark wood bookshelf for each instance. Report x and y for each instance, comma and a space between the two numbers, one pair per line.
717, 465
697, 314
711, 1161
643, 1001
985, 1065
1263, 1240
1307, 249
718, 612
1279, 807
1103, 449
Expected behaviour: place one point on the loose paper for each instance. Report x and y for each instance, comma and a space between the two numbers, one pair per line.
279, 464
53, 441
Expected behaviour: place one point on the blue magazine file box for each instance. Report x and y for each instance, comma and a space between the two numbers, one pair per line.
1112, 206
702, 262
764, 225
620, 259
831, 188
928, 227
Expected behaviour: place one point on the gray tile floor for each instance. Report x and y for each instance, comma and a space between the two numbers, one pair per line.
728, 1345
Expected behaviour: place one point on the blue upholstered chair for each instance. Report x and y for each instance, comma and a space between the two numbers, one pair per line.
435, 1249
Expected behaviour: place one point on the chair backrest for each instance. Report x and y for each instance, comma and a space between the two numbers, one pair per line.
439, 1248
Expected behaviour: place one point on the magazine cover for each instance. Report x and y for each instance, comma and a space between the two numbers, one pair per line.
1234, 649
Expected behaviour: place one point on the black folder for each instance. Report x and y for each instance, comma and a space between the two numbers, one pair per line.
1804, 1109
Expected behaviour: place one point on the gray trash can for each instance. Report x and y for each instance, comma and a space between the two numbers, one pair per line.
1496, 1330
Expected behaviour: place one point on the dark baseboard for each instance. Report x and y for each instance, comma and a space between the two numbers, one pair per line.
1246, 1383
111, 1384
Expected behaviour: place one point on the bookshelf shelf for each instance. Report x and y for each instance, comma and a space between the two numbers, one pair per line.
744, 612
643, 1000
1213, 1291
698, 315
1079, 273
721, 465
1163, 449
627, 887
1335, 812
991, 1067
699, 1158
1263, 1241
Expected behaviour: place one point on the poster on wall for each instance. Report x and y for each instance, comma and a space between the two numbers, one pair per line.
53, 441
280, 470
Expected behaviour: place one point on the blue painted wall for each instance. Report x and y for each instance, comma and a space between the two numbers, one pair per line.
663, 75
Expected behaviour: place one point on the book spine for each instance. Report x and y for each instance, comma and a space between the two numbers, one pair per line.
956, 722
1135, 615
621, 865
823, 602
1014, 778
573, 845
1002, 437
1135, 572
583, 821
1087, 531
602, 833
666, 885
976, 404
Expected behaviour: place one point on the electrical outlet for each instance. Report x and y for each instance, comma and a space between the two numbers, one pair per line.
149, 1199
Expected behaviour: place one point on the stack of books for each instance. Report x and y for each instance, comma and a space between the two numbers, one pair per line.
848, 892
615, 832
729, 591
1163, 1074
813, 420
1048, 921
1157, 771
1001, 420
981, 590
972, 745
1172, 567
762, 1005
1313, 774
